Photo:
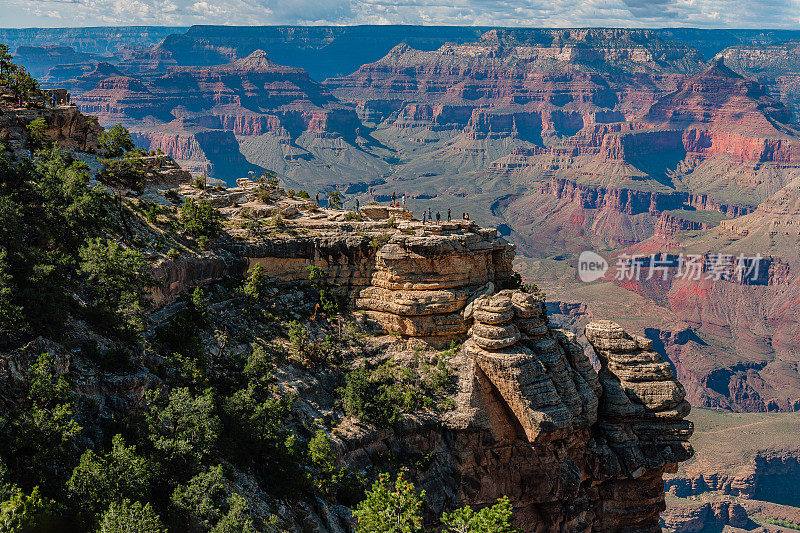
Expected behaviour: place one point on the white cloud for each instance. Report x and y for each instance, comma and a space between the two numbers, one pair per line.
537, 13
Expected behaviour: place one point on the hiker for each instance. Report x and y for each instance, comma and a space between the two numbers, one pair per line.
463, 216
394, 199
448, 214
404, 201
467, 216
357, 204
438, 218
424, 214
67, 98
317, 199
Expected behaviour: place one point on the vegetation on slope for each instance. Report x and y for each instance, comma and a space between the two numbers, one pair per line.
113, 420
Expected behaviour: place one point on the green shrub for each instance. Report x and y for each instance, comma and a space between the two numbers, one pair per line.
173, 196
381, 395
100, 479
28, 513
117, 279
152, 214
370, 397
37, 137
319, 281
183, 427
202, 501
127, 516
310, 352
256, 283
115, 141
380, 240
494, 519
335, 199
238, 519
200, 218
41, 436
390, 507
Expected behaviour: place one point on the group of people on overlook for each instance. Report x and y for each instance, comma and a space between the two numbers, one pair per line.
427, 215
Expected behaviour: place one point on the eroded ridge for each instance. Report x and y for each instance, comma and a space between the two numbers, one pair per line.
545, 381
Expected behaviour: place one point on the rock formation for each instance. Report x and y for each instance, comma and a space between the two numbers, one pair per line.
421, 283
67, 126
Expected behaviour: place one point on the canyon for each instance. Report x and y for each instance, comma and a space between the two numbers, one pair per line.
625, 142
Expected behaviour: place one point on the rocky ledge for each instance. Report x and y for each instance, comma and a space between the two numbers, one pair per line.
575, 448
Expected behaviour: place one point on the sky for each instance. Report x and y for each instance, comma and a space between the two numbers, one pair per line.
535, 13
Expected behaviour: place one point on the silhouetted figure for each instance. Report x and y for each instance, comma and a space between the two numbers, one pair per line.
463, 216
424, 215
357, 204
448, 214
317, 199
394, 199
438, 217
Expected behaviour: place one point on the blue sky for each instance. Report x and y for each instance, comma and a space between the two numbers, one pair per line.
541, 13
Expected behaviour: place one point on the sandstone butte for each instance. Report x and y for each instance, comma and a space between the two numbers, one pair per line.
575, 448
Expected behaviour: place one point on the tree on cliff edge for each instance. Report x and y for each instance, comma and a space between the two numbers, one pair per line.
115, 140
6, 64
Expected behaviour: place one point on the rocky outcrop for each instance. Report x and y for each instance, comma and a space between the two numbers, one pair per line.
616, 431
695, 516
669, 224
752, 479
413, 280
547, 384
200, 150
422, 282
67, 126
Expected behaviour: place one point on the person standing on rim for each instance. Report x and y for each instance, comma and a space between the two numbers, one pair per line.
404, 201
448, 214
357, 204
438, 217
394, 199
317, 199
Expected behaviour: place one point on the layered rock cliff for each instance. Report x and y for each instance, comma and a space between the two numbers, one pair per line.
574, 449
67, 126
